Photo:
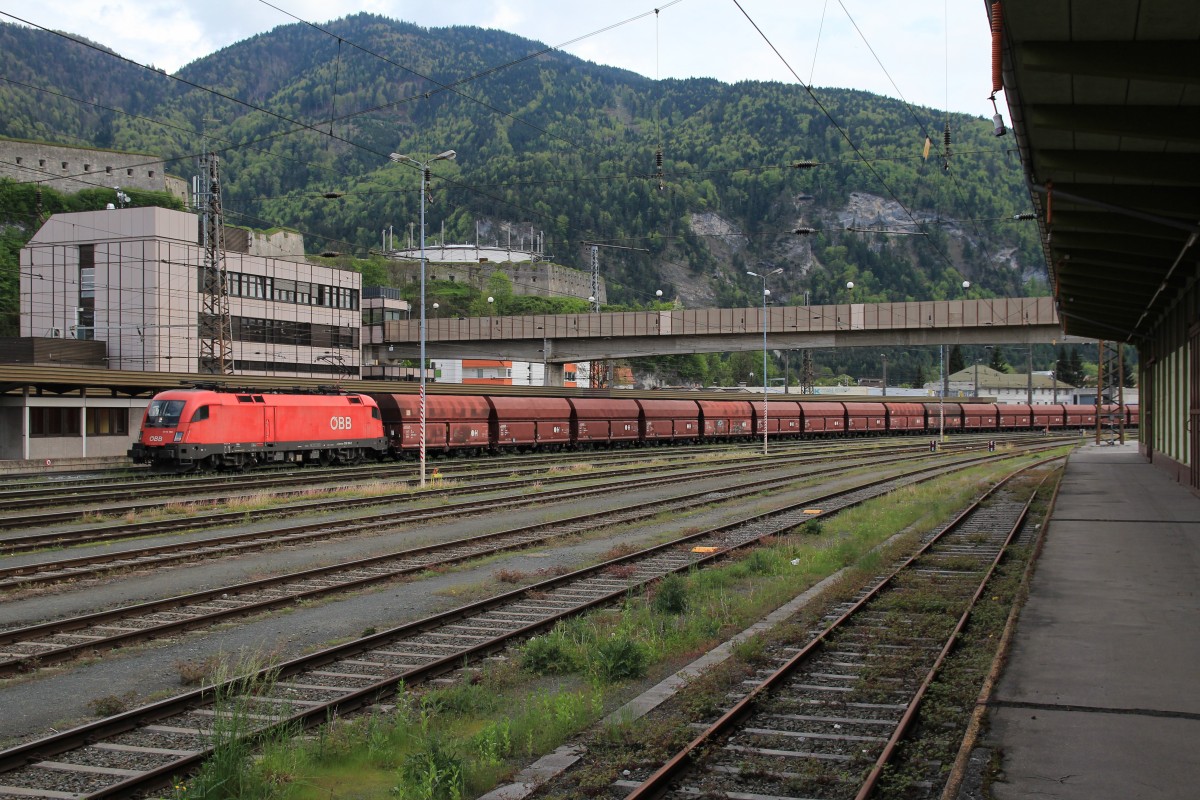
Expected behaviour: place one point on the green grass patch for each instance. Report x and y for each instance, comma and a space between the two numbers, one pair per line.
459, 741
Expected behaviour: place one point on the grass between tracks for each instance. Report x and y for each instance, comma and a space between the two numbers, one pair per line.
459, 740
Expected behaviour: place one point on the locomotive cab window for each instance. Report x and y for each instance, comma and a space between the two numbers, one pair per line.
375, 413
164, 413
201, 414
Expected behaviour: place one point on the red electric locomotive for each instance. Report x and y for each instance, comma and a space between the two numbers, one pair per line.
185, 429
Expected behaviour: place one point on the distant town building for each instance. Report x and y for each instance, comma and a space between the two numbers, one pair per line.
1005, 387
130, 278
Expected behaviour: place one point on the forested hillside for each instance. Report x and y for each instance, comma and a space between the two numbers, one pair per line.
305, 119
554, 142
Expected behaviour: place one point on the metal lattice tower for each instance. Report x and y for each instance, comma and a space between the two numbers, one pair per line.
596, 378
806, 372
215, 327
1110, 380
595, 296
806, 364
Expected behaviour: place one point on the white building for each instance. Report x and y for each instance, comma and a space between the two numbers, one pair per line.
980, 380
131, 278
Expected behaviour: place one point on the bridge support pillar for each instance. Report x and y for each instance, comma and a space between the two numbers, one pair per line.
555, 375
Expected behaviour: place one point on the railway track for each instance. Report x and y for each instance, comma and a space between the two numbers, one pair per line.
34, 573
827, 719
75, 569
141, 750
82, 505
73, 501
89, 492
35, 646
539, 471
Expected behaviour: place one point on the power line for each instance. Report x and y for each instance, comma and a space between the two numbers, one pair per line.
840, 130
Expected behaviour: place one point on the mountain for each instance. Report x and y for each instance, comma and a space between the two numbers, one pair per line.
305, 118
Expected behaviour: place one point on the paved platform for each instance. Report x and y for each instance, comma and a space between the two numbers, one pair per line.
1100, 697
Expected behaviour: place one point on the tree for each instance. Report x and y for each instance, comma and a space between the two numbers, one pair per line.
998, 362
956, 360
1074, 369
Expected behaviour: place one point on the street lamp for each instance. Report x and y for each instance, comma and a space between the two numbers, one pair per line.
449, 155
765, 294
884, 357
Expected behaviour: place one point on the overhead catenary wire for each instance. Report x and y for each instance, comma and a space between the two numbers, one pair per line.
841, 131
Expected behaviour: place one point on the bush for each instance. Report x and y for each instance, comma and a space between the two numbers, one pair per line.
547, 655
760, 562
671, 595
620, 657
435, 773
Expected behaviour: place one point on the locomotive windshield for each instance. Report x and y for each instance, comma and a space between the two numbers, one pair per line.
164, 413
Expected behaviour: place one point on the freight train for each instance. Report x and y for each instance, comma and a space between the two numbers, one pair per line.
209, 429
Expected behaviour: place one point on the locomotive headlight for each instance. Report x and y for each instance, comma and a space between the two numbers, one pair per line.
178, 437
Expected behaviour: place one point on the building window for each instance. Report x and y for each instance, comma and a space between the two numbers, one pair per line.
151, 173
107, 422
129, 172
64, 165
54, 422
87, 167
86, 314
19, 159
41, 162
108, 170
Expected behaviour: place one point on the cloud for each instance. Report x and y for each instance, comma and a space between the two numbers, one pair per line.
692, 38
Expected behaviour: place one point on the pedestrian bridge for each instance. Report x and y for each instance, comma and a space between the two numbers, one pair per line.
572, 338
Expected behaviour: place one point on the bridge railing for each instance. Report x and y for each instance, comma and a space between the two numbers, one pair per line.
1005, 312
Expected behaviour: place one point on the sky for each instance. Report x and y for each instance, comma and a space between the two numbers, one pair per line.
930, 54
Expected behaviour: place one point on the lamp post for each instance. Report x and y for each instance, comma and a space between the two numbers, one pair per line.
1029, 380
883, 356
424, 167
765, 294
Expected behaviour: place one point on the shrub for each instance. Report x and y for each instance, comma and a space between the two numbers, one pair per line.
620, 657
547, 655
435, 773
111, 704
671, 595
760, 562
